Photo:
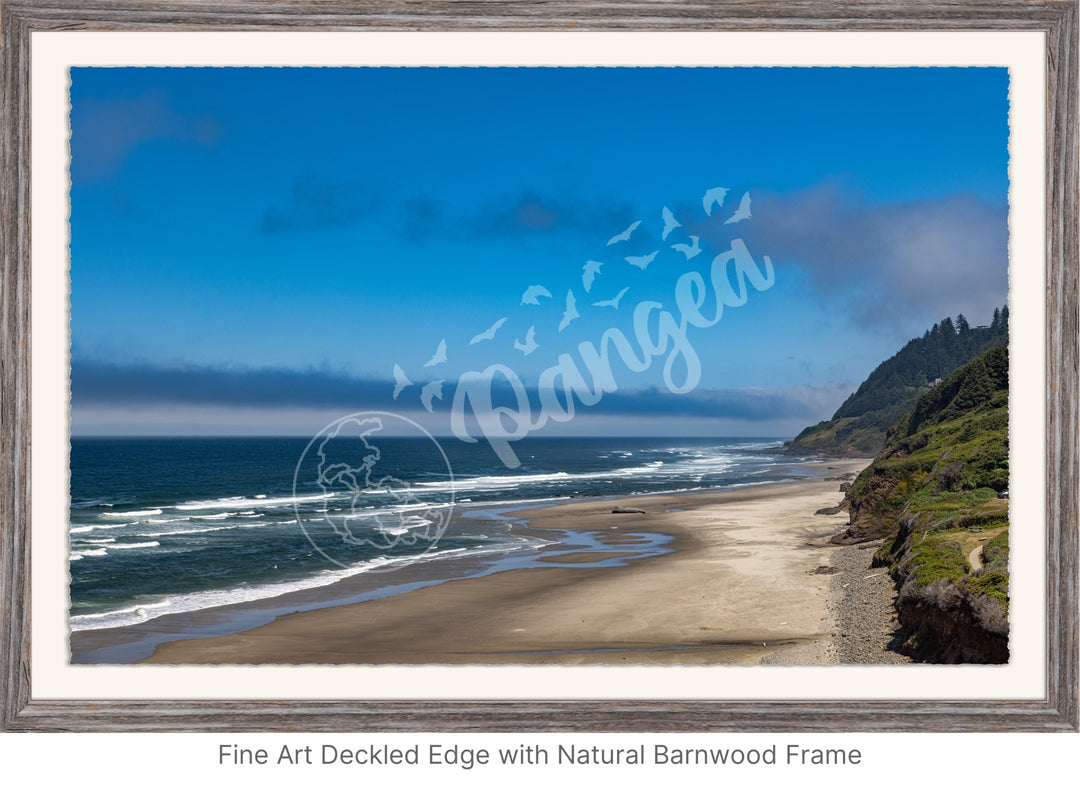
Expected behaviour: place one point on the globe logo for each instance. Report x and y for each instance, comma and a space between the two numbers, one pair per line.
351, 500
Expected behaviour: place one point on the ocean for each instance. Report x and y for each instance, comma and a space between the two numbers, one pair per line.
167, 525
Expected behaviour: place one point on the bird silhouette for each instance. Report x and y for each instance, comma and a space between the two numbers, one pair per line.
489, 333
713, 196
592, 270
401, 382
532, 294
439, 356
432, 390
614, 302
691, 249
669, 223
642, 262
530, 341
743, 211
571, 312
625, 234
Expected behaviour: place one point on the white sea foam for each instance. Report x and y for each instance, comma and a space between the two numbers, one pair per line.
133, 514
410, 523
89, 528
501, 482
125, 611
197, 530
140, 545
250, 503
79, 504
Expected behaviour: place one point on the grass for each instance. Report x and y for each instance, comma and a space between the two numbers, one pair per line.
993, 579
936, 558
969, 539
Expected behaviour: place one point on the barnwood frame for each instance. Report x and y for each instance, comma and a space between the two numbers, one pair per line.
1057, 19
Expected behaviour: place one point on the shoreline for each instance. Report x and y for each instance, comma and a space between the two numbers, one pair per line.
744, 583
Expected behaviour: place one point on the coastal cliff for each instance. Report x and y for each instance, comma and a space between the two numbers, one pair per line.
860, 425
937, 494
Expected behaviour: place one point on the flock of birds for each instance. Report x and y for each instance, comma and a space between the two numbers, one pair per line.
713, 198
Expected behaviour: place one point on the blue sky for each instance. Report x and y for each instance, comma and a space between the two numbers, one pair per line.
254, 250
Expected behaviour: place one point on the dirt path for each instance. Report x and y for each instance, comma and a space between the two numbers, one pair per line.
975, 558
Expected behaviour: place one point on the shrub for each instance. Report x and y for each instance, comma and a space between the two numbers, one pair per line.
942, 593
934, 560
949, 476
991, 614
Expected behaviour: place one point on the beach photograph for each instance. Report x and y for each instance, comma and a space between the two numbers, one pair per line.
539, 366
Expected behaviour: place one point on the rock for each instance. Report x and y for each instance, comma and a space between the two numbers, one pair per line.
623, 510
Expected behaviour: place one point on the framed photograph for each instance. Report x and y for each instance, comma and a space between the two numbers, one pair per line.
539, 369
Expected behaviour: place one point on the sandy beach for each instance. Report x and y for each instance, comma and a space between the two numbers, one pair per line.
748, 580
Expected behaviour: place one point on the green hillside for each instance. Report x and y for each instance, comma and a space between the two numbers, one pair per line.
859, 426
933, 495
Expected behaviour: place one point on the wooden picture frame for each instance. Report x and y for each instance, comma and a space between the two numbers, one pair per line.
1058, 711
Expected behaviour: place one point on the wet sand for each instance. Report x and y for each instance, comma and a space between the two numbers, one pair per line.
739, 586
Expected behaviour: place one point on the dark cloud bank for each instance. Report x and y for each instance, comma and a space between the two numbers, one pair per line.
97, 383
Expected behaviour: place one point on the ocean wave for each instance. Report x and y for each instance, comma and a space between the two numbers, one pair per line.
133, 514
208, 599
140, 545
197, 530
258, 501
80, 504
500, 482
691, 467
89, 528
137, 610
